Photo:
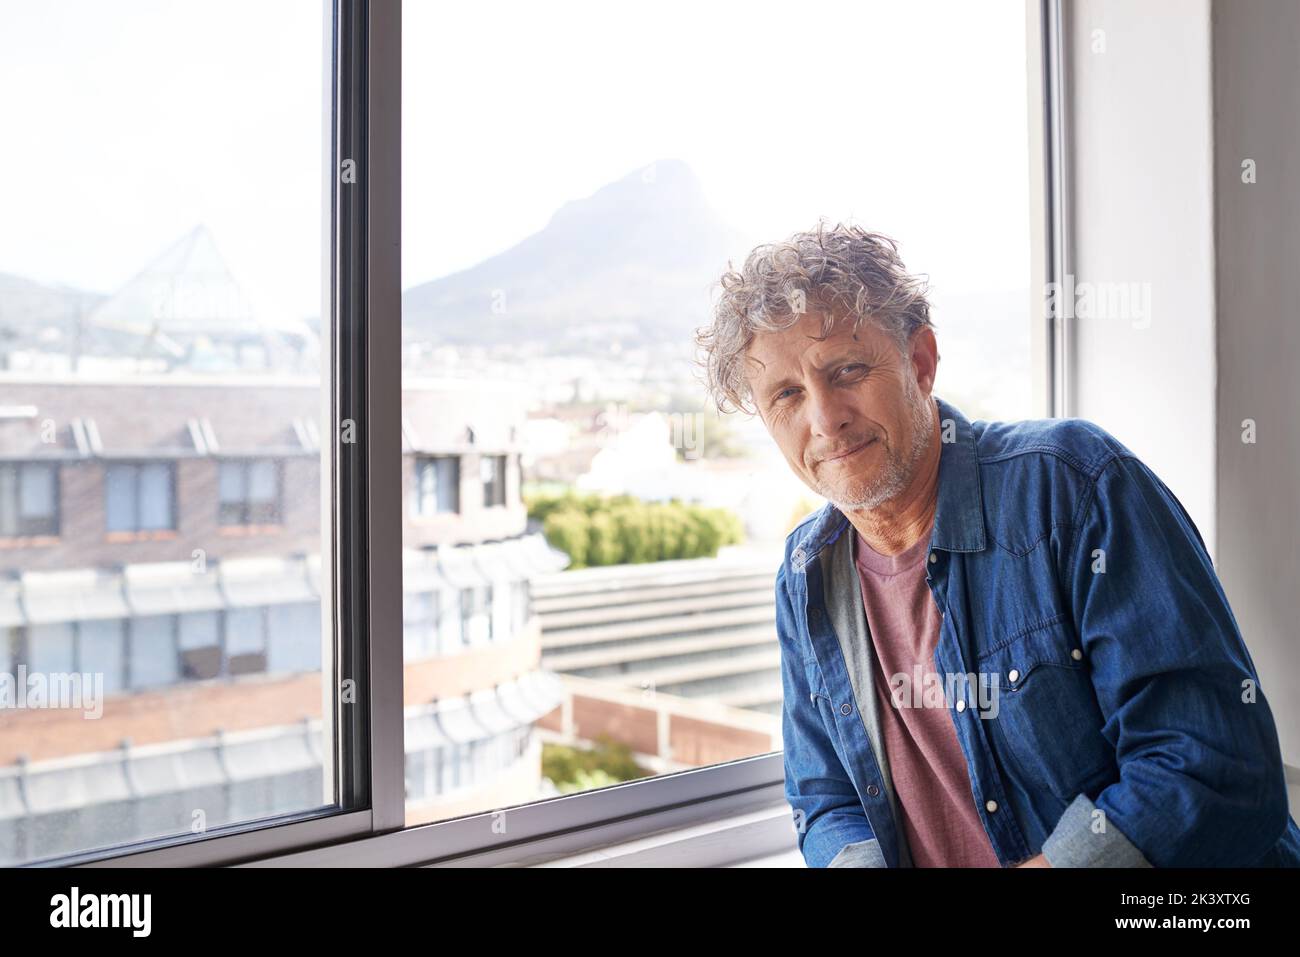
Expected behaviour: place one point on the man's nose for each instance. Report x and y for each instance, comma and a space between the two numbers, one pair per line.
829, 412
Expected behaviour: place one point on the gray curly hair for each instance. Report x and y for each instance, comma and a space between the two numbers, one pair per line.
836, 268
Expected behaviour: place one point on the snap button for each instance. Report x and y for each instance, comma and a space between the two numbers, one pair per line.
1012, 675
933, 557
872, 790
1076, 654
846, 709
961, 705
991, 806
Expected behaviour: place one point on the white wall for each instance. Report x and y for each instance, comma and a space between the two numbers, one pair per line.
1160, 122
1142, 211
1257, 116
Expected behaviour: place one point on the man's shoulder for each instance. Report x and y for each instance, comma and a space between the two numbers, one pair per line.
798, 535
1082, 445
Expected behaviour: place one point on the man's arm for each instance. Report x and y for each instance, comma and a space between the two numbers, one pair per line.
831, 825
1201, 782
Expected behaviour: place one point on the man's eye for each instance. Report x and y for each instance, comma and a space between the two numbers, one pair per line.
853, 369
784, 394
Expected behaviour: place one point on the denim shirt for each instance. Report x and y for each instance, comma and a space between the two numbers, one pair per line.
1108, 710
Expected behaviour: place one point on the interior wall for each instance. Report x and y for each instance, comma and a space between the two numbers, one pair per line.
1141, 215
1167, 98
1257, 117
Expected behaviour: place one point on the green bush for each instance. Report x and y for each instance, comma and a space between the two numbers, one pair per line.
573, 769
595, 530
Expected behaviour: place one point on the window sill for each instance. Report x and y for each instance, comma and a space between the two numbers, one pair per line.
240, 531
732, 814
159, 535
29, 541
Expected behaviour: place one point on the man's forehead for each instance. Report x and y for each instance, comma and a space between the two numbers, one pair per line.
770, 350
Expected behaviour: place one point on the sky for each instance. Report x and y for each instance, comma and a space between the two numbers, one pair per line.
128, 123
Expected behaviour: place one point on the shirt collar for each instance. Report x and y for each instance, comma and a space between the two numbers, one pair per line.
959, 514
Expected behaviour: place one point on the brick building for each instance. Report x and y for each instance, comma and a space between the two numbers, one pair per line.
163, 534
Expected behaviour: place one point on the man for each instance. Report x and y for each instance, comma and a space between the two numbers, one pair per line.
1002, 644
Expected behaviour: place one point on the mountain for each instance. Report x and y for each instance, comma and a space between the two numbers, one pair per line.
633, 264
43, 317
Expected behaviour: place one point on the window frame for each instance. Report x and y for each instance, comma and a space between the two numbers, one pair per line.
421, 507
136, 468
366, 313
18, 467
245, 503
495, 490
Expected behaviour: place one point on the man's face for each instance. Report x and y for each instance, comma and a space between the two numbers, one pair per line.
849, 413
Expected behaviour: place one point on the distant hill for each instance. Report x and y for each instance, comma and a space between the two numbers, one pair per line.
632, 263
39, 316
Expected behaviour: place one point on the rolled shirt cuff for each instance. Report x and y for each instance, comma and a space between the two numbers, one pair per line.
859, 854
1075, 842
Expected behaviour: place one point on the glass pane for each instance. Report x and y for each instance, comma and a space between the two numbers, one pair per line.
154, 659
162, 311
10, 522
36, 497
155, 496
120, 498
231, 483
102, 652
262, 486
50, 648
626, 537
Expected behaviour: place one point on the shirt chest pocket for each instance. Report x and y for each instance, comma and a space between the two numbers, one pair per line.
1045, 722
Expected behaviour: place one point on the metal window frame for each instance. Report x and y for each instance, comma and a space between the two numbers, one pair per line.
1051, 205
367, 290
17, 467
360, 477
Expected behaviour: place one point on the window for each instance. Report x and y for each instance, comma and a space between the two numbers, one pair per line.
250, 492
420, 624
493, 474
295, 642
102, 650
52, 648
29, 499
140, 497
565, 331
520, 607
437, 485
246, 640
154, 659
571, 354
476, 614
200, 645
451, 623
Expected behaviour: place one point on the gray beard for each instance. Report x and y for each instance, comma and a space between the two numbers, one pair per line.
896, 474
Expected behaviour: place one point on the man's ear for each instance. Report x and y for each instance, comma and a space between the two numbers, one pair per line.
925, 358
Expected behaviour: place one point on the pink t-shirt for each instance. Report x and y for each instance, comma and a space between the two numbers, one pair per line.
926, 762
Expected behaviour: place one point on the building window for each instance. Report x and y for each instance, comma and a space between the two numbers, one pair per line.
200, 645
420, 624
245, 640
101, 649
450, 624
492, 470
519, 590
437, 485
140, 497
29, 499
476, 614
250, 492
51, 649
153, 660
294, 643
